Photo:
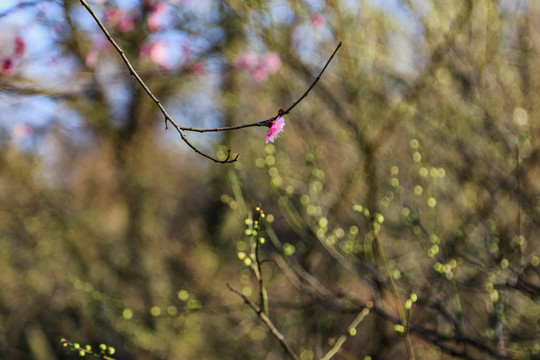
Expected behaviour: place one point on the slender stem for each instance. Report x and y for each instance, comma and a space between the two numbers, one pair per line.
266, 320
168, 119
351, 331
314, 82
518, 198
393, 289
227, 128
265, 122
132, 71
262, 289
256, 266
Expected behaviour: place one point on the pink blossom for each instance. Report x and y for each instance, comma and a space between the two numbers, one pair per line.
318, 21
112, 16
20, 47
90, 59
119, 19
197, 68
275, 129
246, 60
6, 66
156, 17
127, 23
157, 52
92, 56
21, 131
271, 62
259, 73
259, 68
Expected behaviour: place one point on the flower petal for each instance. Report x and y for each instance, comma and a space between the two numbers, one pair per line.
275, 129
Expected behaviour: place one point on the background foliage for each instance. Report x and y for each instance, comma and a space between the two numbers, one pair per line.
422, 137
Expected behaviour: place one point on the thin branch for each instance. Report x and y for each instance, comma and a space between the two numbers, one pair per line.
267, 121
315, 82
169, 119
266, 320
256, 266
263, 295
393, 288
351, 331
132, 71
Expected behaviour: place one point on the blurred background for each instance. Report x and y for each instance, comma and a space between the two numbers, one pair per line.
413, 162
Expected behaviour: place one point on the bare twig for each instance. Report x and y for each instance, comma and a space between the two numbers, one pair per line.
266, 320
256, 266
132, 71
168, 119
351, 331
267, 121
393, 288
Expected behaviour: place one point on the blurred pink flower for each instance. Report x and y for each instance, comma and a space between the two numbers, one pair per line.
21, 130
20, 47
259, 74
126, 24
121, 20
197, 68
112, 15
92, 56
318, 21
156, 17
157, 52
259, 68
271, 62
246, 60
275, 129
6, 66
90, 59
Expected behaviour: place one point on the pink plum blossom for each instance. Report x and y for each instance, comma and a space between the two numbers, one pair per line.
318, 21
275, 129
271, 62
259, 74
157, 52
126, 24
246, 60
6, 66
21, 131
156, 18
198, 68
112, 16
90, 59
121, 20
258, 67
20, 47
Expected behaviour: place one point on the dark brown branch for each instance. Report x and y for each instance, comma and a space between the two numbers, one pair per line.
132, 71
169, 119
314, 82
267, 121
